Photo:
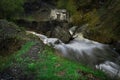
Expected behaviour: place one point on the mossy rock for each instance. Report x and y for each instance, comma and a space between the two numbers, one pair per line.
9, 37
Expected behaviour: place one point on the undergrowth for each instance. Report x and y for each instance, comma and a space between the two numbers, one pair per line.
49, 66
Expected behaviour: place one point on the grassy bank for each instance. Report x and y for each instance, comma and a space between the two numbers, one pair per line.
7, 61
48, 66
54, 67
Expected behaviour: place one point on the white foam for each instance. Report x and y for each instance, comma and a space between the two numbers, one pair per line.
85, 51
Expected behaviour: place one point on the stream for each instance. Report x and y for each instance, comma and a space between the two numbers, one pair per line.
88, 52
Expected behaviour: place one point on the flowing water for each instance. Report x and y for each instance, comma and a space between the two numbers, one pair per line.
91, 53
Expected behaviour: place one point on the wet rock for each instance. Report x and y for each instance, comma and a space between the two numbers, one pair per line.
61, 34
55, 29
116, 46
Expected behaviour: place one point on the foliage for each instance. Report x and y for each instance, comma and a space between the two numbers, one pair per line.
31, 66
67, 4
7, 61
77, 18
104, 23
55, 68
48, 66
102, 17
62, 3
9, 8
71, 6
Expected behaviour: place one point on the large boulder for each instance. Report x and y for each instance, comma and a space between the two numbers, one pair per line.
9, 37
62, 34
8, 30
54, 29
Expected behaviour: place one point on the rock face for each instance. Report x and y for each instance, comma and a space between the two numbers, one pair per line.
61, 34
9, 37
8, 29
116, 46
55, 29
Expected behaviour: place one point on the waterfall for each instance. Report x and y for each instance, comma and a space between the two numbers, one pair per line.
91, 53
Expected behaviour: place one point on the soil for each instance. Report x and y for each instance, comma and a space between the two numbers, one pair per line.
16, 72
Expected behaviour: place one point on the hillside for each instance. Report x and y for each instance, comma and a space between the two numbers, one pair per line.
38, 56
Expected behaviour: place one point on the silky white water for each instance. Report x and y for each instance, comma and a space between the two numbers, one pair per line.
91, 53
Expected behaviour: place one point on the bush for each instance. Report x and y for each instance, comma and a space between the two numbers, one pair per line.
9, 8
77, 18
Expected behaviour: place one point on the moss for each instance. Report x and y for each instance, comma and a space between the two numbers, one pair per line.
101, 15
49, 66
10, 37
7, 61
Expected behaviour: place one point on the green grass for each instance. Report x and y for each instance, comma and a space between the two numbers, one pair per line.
7, 61
53, 67
49, 66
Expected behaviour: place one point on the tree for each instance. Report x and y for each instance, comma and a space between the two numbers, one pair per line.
62, 3
9, 8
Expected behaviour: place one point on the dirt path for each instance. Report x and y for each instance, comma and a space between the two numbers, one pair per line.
23, 66
17, 70
33, 52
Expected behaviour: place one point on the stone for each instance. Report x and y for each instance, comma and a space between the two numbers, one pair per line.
62, 34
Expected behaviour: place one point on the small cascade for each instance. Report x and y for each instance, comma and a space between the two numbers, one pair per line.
88, 52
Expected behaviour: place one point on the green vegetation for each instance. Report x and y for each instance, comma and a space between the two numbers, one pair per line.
67, 4
104, 23
7, 61
48, 66
101, 15
52, 66
10, 8
104, 26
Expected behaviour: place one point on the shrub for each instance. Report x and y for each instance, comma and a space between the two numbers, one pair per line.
77, 18
9, 8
